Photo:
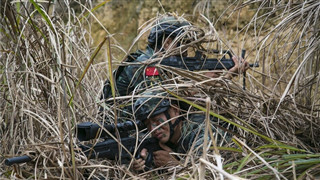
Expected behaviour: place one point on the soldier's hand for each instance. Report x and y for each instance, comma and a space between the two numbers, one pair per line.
164, 158
240, 65
139, 164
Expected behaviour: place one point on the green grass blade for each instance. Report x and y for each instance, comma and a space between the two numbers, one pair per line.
281, 146
243, 162
229, 149
223, 118
45, 17
301, 176
94, 9
88, 66
306, 161
300, 156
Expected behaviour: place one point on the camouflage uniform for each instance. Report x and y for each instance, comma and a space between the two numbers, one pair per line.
193, 128
193, 131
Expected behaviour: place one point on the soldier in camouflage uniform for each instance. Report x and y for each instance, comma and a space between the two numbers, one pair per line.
134, 76
159, 39
176, 132
165, 32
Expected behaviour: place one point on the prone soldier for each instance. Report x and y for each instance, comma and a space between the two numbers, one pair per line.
175, 131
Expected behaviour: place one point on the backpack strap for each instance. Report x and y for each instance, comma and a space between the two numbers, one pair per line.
130, 58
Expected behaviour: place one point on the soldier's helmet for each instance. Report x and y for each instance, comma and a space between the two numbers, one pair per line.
150, 104
168, 26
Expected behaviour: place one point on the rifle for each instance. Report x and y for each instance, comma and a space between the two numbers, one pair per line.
109, 148
201, 62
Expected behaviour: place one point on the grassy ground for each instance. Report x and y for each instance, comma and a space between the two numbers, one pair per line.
51, 79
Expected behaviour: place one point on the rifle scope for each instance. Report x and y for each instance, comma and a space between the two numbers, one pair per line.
89, 130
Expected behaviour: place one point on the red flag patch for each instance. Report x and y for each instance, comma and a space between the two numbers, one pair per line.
152, 71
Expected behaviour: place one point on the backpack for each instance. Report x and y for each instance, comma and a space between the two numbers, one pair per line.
106, 93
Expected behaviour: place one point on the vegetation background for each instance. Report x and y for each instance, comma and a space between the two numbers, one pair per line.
54, 60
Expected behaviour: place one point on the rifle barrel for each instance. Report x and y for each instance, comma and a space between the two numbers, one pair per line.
17, 160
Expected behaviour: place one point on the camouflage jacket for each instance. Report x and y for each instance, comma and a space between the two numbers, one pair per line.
193, 134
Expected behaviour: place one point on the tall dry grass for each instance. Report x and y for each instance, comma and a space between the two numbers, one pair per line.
51, 80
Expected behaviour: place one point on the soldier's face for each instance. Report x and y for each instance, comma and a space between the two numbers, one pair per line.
159, 127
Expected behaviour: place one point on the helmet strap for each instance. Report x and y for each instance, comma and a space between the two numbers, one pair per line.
166, 113
172, 126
